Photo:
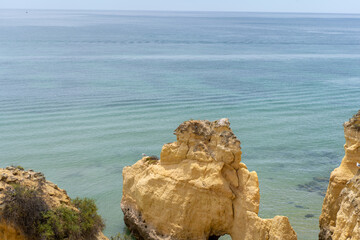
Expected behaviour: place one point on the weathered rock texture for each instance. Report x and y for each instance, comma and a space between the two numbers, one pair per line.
340, 211
198, 189
52, 194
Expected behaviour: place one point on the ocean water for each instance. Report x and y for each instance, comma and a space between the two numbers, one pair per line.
85, 93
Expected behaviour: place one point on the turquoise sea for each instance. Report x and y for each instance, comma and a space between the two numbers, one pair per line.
85, 93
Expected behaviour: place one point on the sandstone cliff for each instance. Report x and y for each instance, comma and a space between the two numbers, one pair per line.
52, 195
198, 189
340, 211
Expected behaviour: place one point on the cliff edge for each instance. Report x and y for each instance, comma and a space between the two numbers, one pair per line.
199, 189
33, 208
340, 216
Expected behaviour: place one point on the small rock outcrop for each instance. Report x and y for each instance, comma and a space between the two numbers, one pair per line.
340, 217
199, 189
51, 194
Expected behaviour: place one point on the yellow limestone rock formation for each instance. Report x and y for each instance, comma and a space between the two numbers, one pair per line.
198, 190
340, 215
52, 195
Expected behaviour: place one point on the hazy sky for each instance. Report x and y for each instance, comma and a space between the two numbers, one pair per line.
327, 6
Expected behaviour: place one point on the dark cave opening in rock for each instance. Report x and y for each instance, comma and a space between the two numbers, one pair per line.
214, 237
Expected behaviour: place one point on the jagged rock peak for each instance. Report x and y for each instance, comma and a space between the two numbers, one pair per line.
354, 122
204, 130
203, 141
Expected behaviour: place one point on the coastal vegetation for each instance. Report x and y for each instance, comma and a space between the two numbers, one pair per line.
27, 209
152, 159
18, 167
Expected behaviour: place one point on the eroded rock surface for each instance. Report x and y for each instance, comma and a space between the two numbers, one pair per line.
198, 189
340, 211
52, 194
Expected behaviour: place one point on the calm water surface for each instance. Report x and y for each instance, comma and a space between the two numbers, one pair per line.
84, 93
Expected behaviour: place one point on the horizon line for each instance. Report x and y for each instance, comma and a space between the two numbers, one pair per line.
201, 11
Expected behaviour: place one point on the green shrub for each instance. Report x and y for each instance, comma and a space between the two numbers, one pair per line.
18, 167
61, 223
26, 209
90, 222
152, 159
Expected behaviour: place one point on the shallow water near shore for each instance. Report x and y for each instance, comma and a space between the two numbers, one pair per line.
85, 93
